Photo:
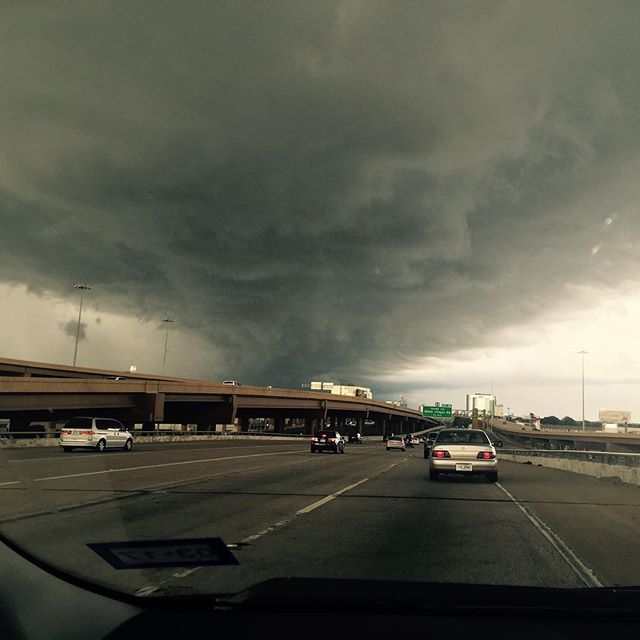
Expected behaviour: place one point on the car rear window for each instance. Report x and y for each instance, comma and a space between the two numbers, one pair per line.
326, 434
395, 438
462, 437
78, 423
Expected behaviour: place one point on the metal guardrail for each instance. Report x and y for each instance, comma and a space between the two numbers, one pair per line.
601, 457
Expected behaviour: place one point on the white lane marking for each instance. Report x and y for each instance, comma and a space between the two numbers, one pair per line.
137, 452
583, 572
164, 464
4, 484
149, 589
255, 536
330, 497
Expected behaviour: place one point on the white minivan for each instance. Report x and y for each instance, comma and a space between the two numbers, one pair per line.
94, 433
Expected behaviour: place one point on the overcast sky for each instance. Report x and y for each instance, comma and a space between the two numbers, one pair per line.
431, 198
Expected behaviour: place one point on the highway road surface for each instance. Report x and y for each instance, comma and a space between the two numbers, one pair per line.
284, 511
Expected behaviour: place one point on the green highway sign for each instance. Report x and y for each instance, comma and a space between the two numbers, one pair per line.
442, 411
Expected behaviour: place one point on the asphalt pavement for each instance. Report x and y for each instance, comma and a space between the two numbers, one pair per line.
283, 511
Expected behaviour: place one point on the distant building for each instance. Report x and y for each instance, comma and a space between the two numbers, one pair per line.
342, 389
483, 402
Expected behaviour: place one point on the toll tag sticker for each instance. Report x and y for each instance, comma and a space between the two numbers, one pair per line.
145, 554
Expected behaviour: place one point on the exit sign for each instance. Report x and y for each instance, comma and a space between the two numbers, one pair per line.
438, 411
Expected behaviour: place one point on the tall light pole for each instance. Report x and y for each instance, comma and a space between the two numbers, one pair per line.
583, 353
81, 287
167, 322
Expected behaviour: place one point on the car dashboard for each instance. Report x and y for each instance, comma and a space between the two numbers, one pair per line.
39, 603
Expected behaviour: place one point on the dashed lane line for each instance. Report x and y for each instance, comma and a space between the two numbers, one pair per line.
331, 496
150, 589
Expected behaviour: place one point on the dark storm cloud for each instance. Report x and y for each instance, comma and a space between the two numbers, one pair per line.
71, 328
321, 188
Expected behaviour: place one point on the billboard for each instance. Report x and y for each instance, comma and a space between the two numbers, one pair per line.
613, 416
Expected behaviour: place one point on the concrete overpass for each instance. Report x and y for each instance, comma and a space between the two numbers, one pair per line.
41, 392
571, 440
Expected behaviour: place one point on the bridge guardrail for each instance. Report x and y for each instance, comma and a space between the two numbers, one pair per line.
611, 458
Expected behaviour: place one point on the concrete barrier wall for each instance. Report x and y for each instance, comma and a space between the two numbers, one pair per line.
138, 439
629, 475
52, 442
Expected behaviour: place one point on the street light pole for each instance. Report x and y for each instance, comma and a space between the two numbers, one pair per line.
167, 322
582, 353
81, 287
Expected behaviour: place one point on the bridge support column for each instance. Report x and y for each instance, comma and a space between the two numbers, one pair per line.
308, 426
279, 424
148, 426
50, 429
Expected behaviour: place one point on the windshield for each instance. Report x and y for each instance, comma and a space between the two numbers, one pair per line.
235, 234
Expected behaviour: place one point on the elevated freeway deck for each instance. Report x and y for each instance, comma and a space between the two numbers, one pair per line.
32, 392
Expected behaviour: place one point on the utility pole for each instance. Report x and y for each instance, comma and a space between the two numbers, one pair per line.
167, 321
81, 287
583, 353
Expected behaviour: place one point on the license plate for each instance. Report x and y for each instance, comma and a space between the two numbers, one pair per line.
464, 466
322, 441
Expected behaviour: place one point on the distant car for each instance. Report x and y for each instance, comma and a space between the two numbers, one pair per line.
395, 442
463, 451
94, 433
410, 441
327, 441
355, 438
231, 383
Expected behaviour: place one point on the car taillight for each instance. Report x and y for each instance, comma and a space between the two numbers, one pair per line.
333, 439
314, 439
441, 454
64, 432
86, 433
486, 455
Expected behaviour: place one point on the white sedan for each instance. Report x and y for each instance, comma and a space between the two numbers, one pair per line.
395, 442
463, 451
